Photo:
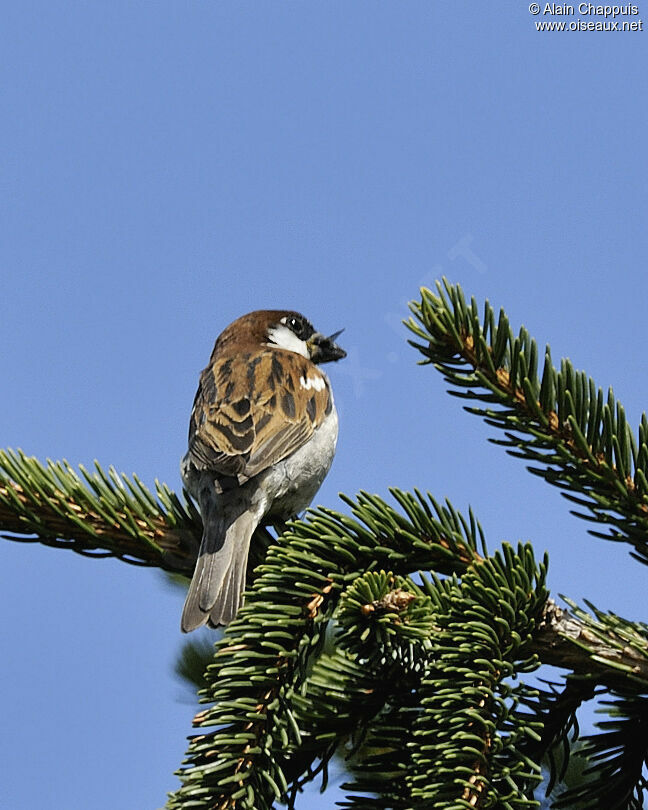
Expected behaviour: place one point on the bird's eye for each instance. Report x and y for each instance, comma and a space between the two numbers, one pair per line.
299, 326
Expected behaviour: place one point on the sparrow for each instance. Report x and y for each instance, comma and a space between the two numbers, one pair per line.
262, 437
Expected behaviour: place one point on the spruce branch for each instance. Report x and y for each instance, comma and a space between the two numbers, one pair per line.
556, 707
279, 704
98, 515
467, 748
109, 514
326, 566
266, 653
577, 438
616, 758
598, 646
380, 776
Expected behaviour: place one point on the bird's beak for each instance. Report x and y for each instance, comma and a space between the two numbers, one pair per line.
324, 349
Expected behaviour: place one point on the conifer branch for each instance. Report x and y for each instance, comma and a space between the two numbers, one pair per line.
556, 709
469, 724
600, 647
279, 704
577, 438
102, 514
615, 758
318, 570
265, 655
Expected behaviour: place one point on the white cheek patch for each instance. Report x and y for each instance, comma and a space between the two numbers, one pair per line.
286, 339
312, 382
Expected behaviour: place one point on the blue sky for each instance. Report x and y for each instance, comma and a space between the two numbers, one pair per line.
168, 166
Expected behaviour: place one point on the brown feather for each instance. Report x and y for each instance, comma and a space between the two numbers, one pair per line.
252, 410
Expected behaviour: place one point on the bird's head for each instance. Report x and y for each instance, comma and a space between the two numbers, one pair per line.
285, 329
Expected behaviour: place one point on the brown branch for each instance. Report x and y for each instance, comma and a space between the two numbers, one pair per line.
562, 640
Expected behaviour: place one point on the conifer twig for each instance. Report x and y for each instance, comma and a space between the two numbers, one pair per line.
103, 514
576, 438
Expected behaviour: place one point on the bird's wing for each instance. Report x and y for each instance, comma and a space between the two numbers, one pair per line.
255, 409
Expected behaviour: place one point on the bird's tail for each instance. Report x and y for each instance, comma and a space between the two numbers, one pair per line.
217, 586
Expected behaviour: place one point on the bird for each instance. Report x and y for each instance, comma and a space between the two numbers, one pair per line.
262, 436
